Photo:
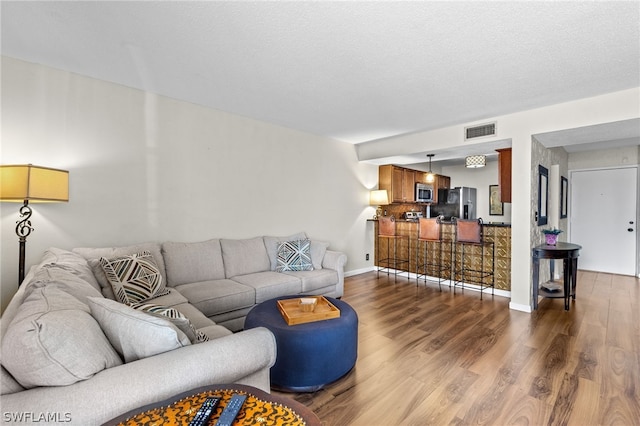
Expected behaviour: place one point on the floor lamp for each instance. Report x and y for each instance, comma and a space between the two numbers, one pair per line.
28, 183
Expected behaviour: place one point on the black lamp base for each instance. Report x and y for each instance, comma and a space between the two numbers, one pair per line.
23, 229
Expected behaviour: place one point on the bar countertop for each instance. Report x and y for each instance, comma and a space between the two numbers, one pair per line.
448, 222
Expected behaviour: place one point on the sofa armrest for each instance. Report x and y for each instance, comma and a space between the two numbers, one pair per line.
336, 260
244, 357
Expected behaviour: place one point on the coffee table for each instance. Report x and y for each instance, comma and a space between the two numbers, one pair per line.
259, 408
310, 355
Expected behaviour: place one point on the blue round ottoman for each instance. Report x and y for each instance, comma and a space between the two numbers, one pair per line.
310, 355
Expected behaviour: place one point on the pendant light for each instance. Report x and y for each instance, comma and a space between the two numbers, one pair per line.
430, 176
475, 161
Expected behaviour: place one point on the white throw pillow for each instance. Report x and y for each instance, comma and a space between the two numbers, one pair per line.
54, 341
134, 334
318, 250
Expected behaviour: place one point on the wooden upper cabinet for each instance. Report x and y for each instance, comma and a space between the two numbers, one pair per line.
504, 174
439, 182
442, 182
396, 185
399, 183
408, 185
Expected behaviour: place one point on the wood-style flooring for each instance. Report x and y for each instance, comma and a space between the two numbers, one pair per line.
427, 357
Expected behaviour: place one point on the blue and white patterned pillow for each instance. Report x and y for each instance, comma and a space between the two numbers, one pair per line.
294, 256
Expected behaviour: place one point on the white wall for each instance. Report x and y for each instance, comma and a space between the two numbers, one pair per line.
148, 168
604, 158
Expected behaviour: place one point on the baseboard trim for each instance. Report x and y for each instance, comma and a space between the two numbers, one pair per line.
473, 287
519, 307
359, 271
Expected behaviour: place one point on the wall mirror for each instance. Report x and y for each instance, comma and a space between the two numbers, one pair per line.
543, 194
564, 191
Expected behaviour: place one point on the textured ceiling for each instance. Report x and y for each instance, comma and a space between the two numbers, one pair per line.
352, 71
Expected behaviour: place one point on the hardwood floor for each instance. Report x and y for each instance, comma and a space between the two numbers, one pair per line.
427, 357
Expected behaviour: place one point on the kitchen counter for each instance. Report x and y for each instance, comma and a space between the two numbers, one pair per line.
448, 222
497, 232
498, 224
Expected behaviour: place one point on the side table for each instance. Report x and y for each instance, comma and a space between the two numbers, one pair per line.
569, 253
259, 408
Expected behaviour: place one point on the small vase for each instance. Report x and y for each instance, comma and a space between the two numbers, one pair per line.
551, 239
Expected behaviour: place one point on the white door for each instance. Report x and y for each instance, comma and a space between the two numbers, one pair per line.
603, 219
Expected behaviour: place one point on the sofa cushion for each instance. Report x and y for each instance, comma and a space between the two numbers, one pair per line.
70, 262
54, 275
8, 383
54, 341
197, 318
243, 257
172, 298
294, 256
193, 262
316, 279
218, 296
269, 284
135, 335
93, 256
134, 278
176, 318
215, 331
271, 244
318, 250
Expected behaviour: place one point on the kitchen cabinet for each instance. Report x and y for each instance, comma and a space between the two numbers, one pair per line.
408, 185
399, 183
440, 182
504, 174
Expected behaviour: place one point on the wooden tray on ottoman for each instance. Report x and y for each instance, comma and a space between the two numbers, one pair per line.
293, 313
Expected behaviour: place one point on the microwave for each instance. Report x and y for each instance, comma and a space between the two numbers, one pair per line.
424, 193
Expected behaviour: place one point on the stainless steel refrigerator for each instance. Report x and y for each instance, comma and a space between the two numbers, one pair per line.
459, 202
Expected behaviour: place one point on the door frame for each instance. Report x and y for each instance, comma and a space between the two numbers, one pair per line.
569, 203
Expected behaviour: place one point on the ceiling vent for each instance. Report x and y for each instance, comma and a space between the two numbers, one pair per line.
480, 131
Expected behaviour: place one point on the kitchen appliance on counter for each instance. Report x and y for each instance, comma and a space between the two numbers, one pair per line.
458, 202
412, 216
424, 193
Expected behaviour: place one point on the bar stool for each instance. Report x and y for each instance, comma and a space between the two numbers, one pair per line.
387, 230
472, 266
433, 262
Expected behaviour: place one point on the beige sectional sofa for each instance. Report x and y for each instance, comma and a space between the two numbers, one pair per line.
73, 353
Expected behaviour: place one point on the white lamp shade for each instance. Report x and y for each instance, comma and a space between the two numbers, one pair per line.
379, 197
33, 183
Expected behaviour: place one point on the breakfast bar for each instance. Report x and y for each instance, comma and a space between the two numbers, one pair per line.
498, 233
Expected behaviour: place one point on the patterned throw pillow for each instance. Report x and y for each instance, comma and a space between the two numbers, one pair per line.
134, 278
294, 256
176, 317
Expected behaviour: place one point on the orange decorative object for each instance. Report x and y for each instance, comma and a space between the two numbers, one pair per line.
254, 411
